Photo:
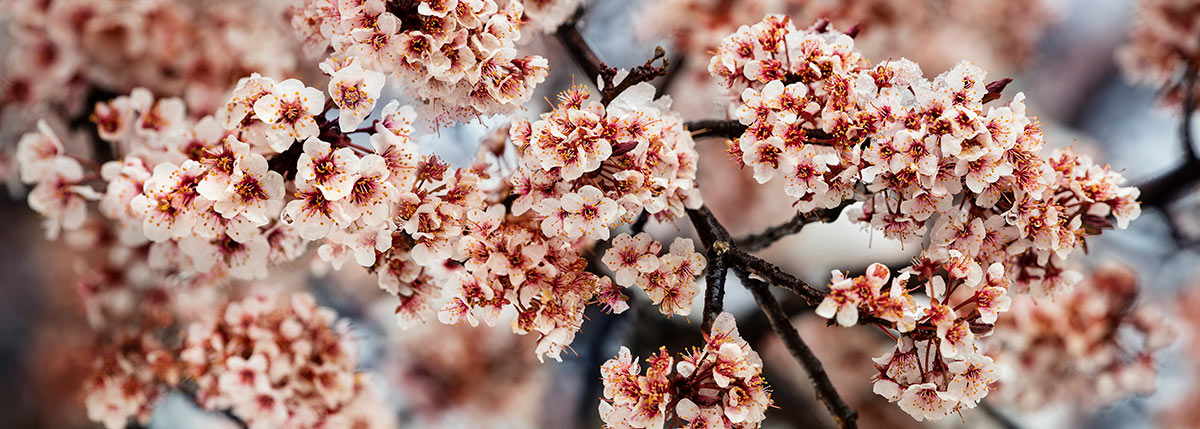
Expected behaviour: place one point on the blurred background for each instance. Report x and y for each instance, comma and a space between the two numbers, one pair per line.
1061, 54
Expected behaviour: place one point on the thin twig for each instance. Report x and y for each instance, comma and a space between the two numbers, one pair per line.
770, 235
845, 416
1160, 190
751, 264
714, 236
582, 53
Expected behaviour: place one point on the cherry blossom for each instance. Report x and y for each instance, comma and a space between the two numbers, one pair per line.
289, 107
354, 90
37, 152
256, 190
632, 256
334, 171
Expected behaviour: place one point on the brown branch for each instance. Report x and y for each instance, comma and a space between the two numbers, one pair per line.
1188, 107
845, 416
1160, 190
714, 236
732, 129
639, 224
714, 292
751, 264
582, 53
723, 128
770, 235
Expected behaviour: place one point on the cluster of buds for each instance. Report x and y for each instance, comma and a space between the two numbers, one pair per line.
457, 57
1163, 45
1094, 345
668, 279
719, 385
511, 264
63, 49
585, 166
275, 362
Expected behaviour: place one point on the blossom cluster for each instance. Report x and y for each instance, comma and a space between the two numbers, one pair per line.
229, 195
1095, 345
510, 263
835, 129
668, 279
210, 196
919, 154
719, 385
1163, 44
61, 50
936, 366
457, 57
276, 362
586, 166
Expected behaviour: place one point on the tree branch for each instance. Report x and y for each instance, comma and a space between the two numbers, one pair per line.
770, 235
1159, 191
845, 416
677, 64
714, 236
582, 53
723, 128
714, 292
568, 34
751, 264
1188, 107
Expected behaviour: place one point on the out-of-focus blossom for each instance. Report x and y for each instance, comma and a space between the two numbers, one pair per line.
1163, 46
275, 361
1093, 346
